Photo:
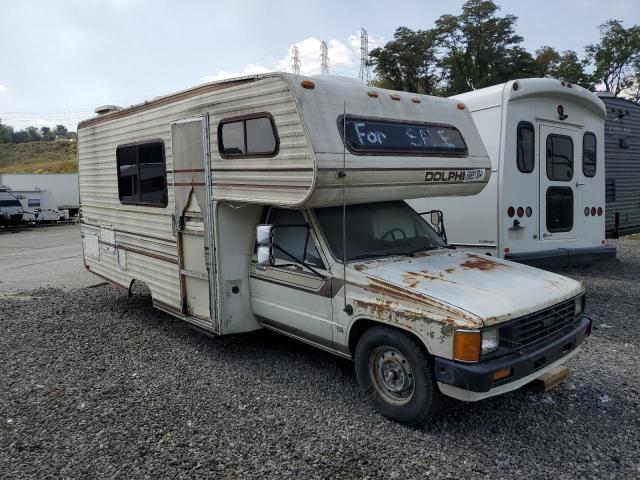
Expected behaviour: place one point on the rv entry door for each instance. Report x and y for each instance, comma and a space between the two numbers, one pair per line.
193, 220
559, 202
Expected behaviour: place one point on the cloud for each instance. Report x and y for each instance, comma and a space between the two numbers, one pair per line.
2, 88
250, 69
344, 59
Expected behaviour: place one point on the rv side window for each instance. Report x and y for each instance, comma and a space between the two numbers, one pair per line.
526, 147
559, 157
251, 136
33, 202
141, 174
589, 154
378, 136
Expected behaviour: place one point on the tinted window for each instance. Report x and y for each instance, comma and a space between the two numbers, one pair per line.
141, 174
559, 209
33, 202
589, 154
525, 147
293, 240
232, 138
559, 158
8, 200
251, 136
366, 135
260, 138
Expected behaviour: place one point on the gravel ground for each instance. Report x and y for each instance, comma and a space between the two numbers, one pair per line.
93, 385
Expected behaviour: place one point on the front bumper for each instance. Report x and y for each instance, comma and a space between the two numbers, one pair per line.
478, 377
563, 257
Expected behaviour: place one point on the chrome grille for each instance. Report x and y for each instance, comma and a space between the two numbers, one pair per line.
539, 326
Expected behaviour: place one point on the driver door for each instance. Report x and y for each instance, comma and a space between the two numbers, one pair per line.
288, 297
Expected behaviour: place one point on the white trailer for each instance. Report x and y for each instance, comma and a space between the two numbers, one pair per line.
62, 186
11, 210
545, 202
274, 201
39, 205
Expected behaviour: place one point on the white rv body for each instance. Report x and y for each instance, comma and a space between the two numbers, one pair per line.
511, 217
173, 190
39, 205
11, 210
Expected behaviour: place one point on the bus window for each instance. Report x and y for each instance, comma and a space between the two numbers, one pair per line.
526, 147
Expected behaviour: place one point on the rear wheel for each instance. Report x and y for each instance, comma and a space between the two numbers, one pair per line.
396, 372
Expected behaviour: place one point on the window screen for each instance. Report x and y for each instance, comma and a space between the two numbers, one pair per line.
559, 209
141, 174
395, 137
296, 241
589, 154
559, 157
525, 155
249, 137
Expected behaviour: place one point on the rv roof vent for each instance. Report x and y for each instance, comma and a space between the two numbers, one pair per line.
104, 109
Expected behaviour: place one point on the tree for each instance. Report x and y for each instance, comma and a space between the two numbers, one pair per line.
61, 131
46, 134
408, 62
32, 134
616, 56
6, 133
480, 48
563, 66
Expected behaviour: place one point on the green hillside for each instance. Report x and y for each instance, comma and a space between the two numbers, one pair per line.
57, 156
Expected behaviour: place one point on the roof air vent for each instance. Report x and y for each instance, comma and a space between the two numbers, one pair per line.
105, 109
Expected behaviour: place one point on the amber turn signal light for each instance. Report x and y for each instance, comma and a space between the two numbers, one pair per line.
307, 84
466, 346
501, 374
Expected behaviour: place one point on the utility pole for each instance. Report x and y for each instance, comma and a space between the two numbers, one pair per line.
295, 60
365, 69
324, 58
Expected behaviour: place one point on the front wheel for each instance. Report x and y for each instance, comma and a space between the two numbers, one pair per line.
396, 373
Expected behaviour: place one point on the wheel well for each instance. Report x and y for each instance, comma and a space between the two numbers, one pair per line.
362, 325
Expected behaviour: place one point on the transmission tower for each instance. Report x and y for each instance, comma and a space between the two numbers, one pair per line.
324, 58
365, 69
295, 60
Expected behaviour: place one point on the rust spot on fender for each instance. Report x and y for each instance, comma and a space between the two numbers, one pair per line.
359, 267
478, 262
450, 270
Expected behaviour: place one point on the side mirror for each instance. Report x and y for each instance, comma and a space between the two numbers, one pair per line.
435, 218
264, 238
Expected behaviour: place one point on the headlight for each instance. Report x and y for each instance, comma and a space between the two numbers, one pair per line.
579, 306
490, 341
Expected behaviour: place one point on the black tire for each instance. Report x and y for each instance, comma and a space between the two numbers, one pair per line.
384, 351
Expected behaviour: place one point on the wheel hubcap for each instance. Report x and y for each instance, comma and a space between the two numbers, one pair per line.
391, 375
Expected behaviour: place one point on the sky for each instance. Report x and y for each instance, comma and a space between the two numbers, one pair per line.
61, 59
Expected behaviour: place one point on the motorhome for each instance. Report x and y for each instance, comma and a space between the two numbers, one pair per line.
275, 201
545, 202
622, 158
38, 204
10, 207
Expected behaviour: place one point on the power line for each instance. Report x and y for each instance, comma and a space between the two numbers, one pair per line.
365, 69
324, 58
295, 60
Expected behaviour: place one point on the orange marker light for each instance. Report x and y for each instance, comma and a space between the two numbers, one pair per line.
466, 346
500, 374
461, 106
373, 94
395, 96
307, 84
416, 99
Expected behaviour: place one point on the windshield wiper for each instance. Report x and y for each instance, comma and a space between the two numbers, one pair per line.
368, 256
411, 253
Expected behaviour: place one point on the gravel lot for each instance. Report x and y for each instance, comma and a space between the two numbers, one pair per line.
95, 385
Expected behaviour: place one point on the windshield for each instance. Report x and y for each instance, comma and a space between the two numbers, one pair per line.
377, 230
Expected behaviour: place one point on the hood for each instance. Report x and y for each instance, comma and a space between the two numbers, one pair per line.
492, 289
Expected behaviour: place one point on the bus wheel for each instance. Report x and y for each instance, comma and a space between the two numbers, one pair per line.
396, 373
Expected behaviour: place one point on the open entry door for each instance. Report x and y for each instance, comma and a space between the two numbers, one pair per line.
193, 219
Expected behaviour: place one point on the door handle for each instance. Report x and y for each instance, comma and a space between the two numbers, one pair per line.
578, 184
